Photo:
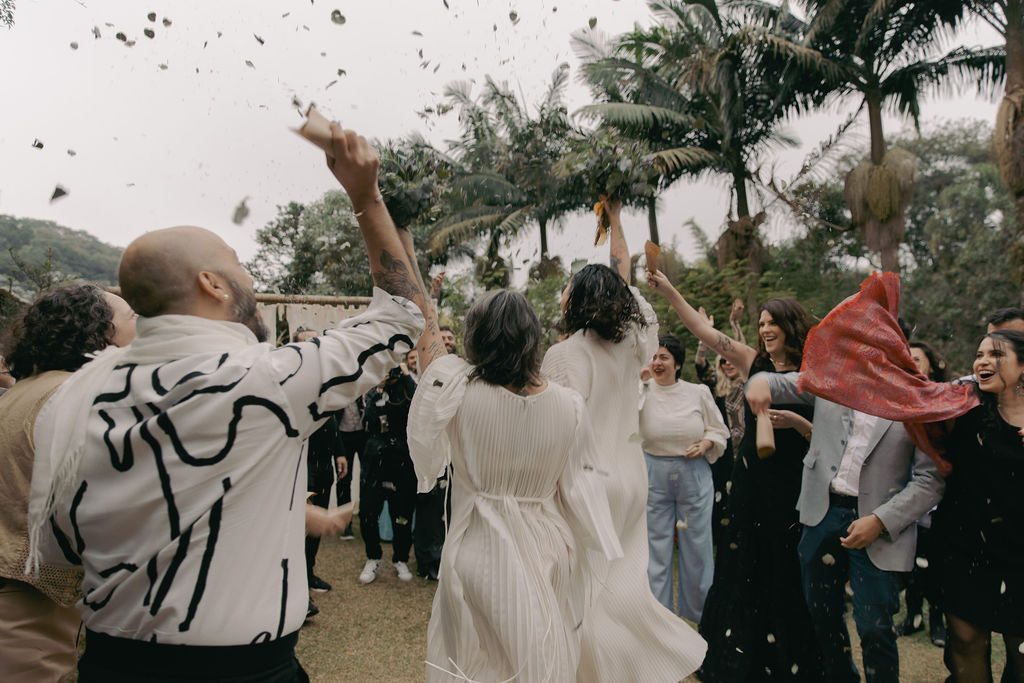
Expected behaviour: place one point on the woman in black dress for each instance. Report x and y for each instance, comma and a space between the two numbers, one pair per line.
978, 549
755, 619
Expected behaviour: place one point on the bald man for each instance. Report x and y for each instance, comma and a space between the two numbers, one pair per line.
184, 504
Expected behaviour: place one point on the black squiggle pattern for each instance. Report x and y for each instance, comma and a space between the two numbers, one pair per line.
159, 388
361, 359
97, 606
204, 565
120, 566
73, 515
284, 596
165, 481
295, 479
151, 575
261, 637
172, 570
215, 389
168, 426
123, 393
298, 352
64, 543
119, 462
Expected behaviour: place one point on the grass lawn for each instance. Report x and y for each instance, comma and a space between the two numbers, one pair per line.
378, 632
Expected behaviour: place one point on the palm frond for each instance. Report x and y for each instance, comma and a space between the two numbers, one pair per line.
686, 159
628, 114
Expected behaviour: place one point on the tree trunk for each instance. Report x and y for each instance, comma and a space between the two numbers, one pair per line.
873, 99
543, 223
1008, 137
652, 218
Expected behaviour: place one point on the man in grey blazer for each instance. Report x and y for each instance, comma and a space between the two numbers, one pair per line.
864, 487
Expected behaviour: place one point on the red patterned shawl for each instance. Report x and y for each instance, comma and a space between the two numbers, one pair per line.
858, 357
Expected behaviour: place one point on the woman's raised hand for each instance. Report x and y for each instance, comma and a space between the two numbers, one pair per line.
658, 282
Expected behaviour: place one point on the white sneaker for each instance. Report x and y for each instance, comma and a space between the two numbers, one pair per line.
369, 572
403, 571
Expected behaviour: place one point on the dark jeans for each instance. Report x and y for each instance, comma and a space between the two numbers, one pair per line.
387, 475
428, 534
825, 566
354, 444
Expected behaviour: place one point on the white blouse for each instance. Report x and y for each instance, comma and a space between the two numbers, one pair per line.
674, 417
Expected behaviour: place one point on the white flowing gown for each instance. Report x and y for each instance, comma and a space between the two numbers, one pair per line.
628, 635
514, 581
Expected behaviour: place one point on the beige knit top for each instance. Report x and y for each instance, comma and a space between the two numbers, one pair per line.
18, 409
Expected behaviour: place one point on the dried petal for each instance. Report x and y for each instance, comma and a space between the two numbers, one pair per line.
149, 33
74, 45
58, 192
592, 22
828, 560
337, 17
151, 16
37, 143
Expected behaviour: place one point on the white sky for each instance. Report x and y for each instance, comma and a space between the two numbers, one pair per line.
158, 147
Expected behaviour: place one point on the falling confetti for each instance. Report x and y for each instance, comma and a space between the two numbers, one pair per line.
592, 22
258, 39
337, 17
417, 33
330, 84
122, 37
151, 16
513, 17
770, 637
342, 72
445, 4
96, 32
163, 67
58, 192
921, 562
166, 22
74, 46
241, 212
1002, 588
828, 560
149, 33
918, 620
718, 496
794, 668
72, 152
728, 632
37, 143
681, 525
250, 64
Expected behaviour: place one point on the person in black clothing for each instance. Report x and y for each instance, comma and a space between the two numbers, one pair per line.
353, 441
387, 473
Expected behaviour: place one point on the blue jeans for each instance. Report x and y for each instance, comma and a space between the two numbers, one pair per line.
680, 490
825, 566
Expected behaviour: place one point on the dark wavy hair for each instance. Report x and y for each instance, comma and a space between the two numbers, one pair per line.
58, 329
600, 300
502, 339
1008, 341
794, 322
938, 373
676, 348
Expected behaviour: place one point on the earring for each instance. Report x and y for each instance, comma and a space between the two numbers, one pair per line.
225, 297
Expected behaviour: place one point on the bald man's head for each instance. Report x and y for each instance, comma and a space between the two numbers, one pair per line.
159, 271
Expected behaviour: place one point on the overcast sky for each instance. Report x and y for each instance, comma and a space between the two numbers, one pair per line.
179, 128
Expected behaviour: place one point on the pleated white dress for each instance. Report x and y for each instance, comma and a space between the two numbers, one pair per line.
514, 580
628, 635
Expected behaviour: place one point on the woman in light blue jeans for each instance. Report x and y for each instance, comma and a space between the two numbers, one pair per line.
683, 433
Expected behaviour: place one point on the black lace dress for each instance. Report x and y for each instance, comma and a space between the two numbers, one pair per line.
755, 619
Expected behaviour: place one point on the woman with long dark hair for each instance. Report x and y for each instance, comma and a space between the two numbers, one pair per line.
628, 635
977, 549
526, 500
755, 619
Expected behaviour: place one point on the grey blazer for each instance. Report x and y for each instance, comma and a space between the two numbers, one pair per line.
898, 482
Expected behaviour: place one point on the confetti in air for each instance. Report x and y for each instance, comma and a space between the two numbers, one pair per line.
828, 560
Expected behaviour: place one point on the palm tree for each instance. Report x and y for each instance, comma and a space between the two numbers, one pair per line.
707, 88
883, 51
506, 159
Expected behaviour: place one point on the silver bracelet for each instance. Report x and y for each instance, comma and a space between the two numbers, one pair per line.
376, 200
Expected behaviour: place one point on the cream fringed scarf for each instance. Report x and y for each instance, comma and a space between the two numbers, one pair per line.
58, 451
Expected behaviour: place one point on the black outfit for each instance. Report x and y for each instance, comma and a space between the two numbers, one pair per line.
977, 553
387, 470
323, 446
429, 531
755, 619
721, 473
354, 444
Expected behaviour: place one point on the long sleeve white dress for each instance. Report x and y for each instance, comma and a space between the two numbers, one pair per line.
627, 635
514, 580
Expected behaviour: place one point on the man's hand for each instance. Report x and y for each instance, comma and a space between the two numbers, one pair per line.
342, 465
435, 285
354, 163
736, 314
862, 532
759, 395
321, 522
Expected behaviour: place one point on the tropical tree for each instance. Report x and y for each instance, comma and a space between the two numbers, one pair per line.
707, 88
884, 53
505, 174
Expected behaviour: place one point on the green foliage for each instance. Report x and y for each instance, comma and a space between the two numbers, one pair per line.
545, 296
411, 176
7, 13
315, 249
39, 254
607, 163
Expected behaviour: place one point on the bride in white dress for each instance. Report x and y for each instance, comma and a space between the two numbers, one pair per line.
628, 635
515, 581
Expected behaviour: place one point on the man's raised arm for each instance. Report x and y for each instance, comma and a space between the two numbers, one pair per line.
354, 163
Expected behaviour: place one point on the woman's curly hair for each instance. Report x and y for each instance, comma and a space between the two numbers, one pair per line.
58, 329
795, 323
600, 300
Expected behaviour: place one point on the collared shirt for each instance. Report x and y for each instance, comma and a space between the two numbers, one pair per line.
847, 479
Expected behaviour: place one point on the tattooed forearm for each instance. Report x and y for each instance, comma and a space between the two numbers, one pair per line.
615, 263
724, 344
393, 276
